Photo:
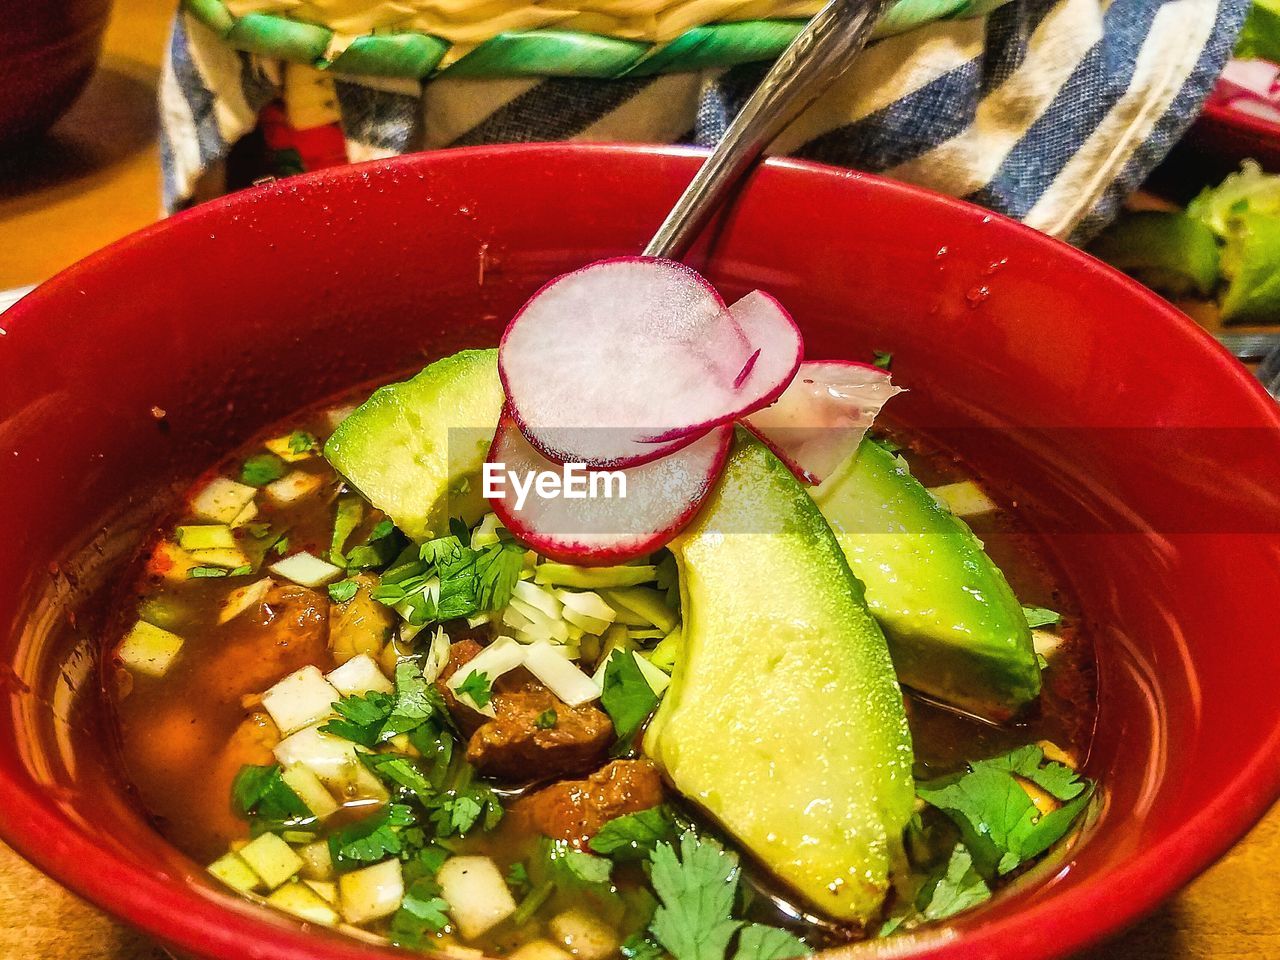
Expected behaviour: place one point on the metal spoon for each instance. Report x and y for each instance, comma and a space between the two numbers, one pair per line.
815, 59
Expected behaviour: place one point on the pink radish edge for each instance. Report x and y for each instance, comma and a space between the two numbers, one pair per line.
564, 547
777, 380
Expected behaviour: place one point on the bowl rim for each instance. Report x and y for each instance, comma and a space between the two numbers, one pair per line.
180, 914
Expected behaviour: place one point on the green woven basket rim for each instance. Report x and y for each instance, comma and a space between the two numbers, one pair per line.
545, 52
540, 53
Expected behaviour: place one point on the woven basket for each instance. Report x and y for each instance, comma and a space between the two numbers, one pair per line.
472, 38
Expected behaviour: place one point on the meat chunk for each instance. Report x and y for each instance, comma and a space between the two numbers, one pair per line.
288, 631
575, 810
512, 746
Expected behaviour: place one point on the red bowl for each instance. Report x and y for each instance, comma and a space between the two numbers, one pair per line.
1148, 459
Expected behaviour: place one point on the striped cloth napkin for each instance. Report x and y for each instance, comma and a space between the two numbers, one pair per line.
1049, 111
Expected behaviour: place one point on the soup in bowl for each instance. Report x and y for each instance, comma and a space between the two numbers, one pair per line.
286, 677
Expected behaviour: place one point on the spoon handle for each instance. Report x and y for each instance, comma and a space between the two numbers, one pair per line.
815, 59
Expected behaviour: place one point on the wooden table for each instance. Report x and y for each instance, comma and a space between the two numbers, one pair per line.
95, 180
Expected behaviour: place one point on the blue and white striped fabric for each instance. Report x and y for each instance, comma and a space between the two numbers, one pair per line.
1050, 111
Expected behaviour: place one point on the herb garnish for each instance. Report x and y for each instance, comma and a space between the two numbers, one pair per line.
477, 687
260, 796
634, 835
627, 696
1041, 616
261, 469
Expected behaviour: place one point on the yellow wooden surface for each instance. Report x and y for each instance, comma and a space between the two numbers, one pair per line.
95, 180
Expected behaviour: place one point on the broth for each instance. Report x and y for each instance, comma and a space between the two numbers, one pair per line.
185, 735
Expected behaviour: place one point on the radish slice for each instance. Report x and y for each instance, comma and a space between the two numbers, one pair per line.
823, 415
661, 497
627, 360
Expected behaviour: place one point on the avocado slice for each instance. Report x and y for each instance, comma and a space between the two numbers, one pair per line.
415, 449
955, 628
783, 719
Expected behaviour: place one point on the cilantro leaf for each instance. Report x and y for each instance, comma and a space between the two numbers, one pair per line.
343, 590
300, 441
458, 812
416, 700
958, 888
881, 359
400, 771
361, 719
371, 840
634, 835
1028, 762
260, 796
261, 469
547, 719
382, 529
999, 824
639, 947
627, 696
347, 516
497, 570
1040, 616
518, 878
477, 687
760, 942
696, 889
197, 573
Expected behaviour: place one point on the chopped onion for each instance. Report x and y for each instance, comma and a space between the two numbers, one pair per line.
501, 656
222, 500
964, 499
271, 858
300, 699
477, 894
149, 649
561, 676
437, 656
306, 569
244, 598
371, 893
358, 676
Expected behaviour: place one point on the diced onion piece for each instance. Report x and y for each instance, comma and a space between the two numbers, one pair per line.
539, 623
228, 559
1046, 642
282, 448
964, 499
244, 598
371, 893
231, 869
149, 649
306, 569
317, 862
304, 903
300, 699
538, 597
586, 610
222, 500
501, 656
326, 890
658, 681
358, 676
310, 791
648, 603
562, 677
271, 858
539, 950
437, 656
592, 578
245, 516
293, 486
477, 894
209, 536
822, 416
584, 934
333, 760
